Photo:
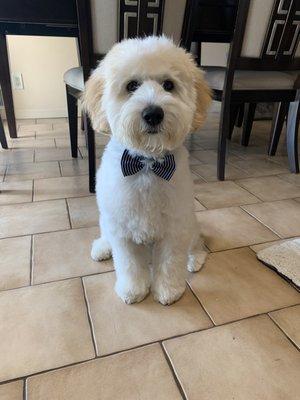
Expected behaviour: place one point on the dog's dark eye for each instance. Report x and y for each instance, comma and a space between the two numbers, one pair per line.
132, 86
168, 85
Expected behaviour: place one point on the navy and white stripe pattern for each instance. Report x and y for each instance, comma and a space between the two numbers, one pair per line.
131, 165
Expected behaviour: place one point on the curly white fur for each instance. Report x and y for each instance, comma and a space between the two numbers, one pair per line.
147, 224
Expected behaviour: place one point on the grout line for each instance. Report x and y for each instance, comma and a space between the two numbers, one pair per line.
76, 363
25, 377
32, 193
89, 316
275, 201
173, 371
266, 242
285, 334
52, 199
69, 214
31, 261
261, 222
199, 301
58, 230
5, 171
60, 280
113, 270
198, 201
283, 178
139, 346
79, 151
247, 190
59, 167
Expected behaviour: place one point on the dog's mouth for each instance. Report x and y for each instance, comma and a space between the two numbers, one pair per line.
153, 130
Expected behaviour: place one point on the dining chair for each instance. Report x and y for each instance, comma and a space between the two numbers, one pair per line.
214, 21
101, 24
90, 41
263, 66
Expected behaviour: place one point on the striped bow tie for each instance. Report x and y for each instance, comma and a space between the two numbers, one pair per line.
131, 165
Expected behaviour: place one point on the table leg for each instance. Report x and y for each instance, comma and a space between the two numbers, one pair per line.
6, 88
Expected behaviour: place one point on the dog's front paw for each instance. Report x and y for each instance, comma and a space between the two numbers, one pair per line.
131, 292
101, 250
196, 261
167, 294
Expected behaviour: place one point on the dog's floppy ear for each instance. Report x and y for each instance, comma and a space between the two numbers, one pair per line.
92, 101
203, 99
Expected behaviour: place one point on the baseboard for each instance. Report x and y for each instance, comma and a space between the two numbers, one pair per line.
62, 113
38, 113
41, 113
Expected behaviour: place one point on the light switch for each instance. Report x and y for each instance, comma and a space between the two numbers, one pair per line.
17, 81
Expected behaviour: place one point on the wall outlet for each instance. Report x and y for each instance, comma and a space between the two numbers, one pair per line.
17, 81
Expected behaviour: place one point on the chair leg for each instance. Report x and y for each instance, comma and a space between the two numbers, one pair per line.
240, 118
73, 128
292, 136
248, 122
234, 109
223, 135
6, 88
82, 121
277, 125
2, 136
91, 153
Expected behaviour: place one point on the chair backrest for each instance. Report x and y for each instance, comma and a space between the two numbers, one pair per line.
266, 35
105, 18
173, 19
104, 22
114, 20
150, 17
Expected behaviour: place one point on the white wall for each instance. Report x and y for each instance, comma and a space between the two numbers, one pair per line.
42, 62
214, 54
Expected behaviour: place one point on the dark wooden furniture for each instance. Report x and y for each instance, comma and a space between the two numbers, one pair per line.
31, 17
137, 18
73, 93
280, 115
208, 21
3, 141
277, 54
212, 21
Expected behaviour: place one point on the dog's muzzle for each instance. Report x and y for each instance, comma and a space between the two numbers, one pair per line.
153, 116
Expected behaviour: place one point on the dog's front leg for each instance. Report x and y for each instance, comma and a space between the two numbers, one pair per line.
169, 270
131, 264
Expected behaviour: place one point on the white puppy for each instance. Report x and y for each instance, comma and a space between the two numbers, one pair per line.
149, 94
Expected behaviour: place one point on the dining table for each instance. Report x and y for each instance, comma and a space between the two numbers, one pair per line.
32, 18
204, 21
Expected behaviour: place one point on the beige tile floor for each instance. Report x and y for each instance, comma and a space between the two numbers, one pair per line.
65, 335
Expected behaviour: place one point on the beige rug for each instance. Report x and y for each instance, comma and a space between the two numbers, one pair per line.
285, 258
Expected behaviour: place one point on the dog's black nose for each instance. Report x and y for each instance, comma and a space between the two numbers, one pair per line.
153, 115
